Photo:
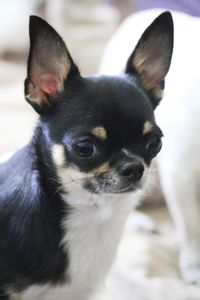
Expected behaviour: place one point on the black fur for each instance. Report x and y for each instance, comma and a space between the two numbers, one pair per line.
30, 220
31, 205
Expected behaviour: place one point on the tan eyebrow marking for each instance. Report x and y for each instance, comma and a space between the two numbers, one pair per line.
147, 127
104, 167
100, 132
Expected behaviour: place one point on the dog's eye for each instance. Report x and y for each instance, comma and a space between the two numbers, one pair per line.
84, 148
154, 144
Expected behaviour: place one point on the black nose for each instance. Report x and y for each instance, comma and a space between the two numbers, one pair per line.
132, 170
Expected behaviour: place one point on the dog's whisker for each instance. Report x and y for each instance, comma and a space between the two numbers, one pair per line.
57, 191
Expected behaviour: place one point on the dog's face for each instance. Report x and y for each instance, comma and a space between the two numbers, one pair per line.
100, 130
108, 140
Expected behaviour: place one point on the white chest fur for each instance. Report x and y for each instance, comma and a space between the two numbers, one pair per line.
93, 230
92, 235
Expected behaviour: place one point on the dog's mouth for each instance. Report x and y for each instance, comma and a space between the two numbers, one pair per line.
106, 188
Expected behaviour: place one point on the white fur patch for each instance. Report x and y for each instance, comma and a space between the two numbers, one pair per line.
58, 155
93, 229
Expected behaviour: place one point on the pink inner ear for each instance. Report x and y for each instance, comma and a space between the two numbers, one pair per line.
48, 83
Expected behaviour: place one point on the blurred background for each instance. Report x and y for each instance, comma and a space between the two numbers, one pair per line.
147, 262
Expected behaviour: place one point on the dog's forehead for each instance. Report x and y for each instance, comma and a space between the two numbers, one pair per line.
106, 106
117, 95
117, 102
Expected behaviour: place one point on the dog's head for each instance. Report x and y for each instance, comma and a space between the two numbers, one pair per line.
100, 130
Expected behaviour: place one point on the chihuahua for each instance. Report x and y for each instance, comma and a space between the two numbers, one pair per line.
64, 197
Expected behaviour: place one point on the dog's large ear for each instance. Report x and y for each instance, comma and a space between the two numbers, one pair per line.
49, 66
151, 58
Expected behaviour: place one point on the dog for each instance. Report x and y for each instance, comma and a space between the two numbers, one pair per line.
178, 162
65, 196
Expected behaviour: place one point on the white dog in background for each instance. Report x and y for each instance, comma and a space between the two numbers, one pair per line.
179, 118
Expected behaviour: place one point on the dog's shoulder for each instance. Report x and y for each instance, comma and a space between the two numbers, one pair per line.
17, 174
